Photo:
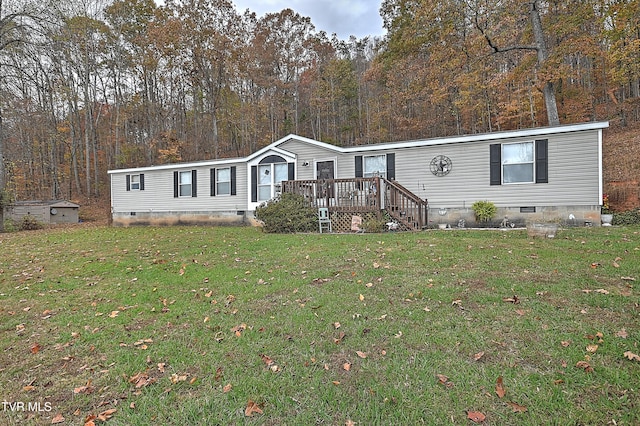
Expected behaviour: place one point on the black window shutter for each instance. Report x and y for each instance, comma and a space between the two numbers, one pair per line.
194, 184
141, 181
292, 171
233, 180
391, 166
212, 173
495, 160
128, 182
542, 161
254, 184
175, 184
359, 172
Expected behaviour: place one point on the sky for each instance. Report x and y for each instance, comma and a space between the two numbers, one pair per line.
343, 17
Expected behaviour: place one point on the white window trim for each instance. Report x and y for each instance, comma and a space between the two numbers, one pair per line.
218, 181
180, 184
133, 184
532, 162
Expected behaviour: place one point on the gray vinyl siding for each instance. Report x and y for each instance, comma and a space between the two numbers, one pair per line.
573, 174
157, 195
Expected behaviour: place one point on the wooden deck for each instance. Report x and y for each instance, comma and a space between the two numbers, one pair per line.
368, 197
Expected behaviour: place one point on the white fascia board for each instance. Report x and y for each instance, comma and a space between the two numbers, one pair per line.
507, 134
178, 165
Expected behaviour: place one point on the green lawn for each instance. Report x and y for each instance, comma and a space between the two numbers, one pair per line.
193, 325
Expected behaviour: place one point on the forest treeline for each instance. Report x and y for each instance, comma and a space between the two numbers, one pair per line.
92, 85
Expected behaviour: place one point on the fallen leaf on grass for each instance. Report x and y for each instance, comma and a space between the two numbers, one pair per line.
515, 300
141, 379
226, 388
340, 338
631, 356
58, 418
361, 354
444, 380
517, 408
175, 378
346, 366
500, 391
251, 409
622, 334
476, 416
477, 356
592, 348
35, 348
87, 389
565, 343
106, 415
585, 366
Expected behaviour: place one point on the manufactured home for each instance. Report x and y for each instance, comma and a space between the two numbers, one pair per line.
531, 175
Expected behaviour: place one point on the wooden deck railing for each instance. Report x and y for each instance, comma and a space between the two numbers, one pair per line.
356, 195
361, 195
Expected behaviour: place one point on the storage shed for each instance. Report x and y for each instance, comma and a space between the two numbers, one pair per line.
47, 212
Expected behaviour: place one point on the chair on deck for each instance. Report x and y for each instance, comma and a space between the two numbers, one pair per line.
324, 222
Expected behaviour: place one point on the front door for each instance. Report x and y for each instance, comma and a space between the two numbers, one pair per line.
325, 170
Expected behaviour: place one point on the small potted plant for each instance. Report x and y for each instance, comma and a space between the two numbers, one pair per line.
606, 215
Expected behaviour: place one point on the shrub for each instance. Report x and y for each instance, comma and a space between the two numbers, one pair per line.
631, 217
30, 223
484, 210
286, 214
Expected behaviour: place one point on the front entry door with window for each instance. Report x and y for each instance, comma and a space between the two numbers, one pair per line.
325, 170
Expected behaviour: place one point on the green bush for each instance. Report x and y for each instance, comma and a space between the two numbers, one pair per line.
287, 213
484, 210
631, 217
30, 223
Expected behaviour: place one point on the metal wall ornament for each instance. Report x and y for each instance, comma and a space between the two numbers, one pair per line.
441, 165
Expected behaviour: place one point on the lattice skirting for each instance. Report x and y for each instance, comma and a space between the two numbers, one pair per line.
341, 221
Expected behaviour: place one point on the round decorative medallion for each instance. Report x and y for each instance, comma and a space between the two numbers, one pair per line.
441, 165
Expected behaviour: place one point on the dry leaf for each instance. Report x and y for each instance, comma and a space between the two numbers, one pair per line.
226, 388
515, 300
267, 360
565, 343
500, 391
106, 415
585, 366
601, 291
161, 366
622, 334
632, 356
592, 348
251, 409
444, 380
84, 389
361, 354
35, 348
476, 416
517, 408
346, 366
114, 314
336, 325
58, 418
477, 356
29, 388
361, 297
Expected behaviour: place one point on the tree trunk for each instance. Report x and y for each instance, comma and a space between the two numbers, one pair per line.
549, 89
2, 181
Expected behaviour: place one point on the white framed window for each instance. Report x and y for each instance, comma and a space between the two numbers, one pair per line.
518, 162
375, 165
135, 182
184, 184
223, 181
270, 176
